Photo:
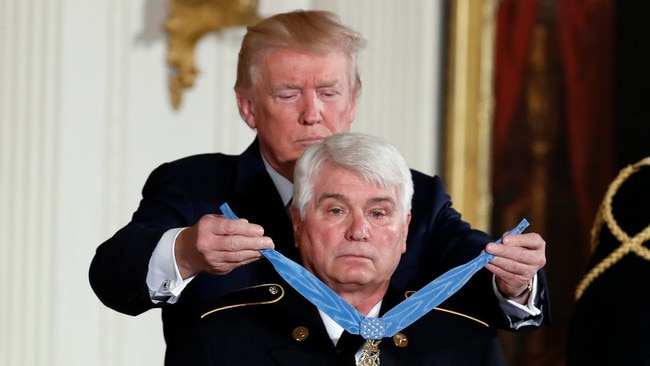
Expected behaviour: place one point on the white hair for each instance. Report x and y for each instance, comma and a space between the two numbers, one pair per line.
373, 159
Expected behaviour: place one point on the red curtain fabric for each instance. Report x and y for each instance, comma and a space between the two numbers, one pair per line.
585, 29
578, 139
586, 35
515, 22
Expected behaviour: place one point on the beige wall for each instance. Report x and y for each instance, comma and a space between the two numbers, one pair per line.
85, 116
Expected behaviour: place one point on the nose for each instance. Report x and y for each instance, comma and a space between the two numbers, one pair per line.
358, 229
311, 111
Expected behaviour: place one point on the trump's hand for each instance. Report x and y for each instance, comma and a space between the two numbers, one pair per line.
516, 262
218, 245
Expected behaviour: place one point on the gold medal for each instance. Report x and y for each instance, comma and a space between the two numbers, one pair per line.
370, 353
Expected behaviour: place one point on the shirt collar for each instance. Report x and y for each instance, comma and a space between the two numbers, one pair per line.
282, 184
334, 330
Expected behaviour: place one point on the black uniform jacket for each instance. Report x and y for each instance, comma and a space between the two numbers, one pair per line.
611, 322
179, 193
271, 324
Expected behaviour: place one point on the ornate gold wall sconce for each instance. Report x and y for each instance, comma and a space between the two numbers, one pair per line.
188, 21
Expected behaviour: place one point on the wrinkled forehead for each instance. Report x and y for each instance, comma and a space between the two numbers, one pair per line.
337, 182
330, 65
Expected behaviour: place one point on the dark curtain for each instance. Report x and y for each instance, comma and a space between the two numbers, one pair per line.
586, 29
553, 143
610, 322
632, 82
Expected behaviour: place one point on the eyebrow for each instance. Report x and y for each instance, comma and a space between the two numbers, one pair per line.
327, 83
285, 86
326, 196
339, 196
322, 84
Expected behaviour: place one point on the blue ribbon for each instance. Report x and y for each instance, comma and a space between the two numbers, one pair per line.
397, 318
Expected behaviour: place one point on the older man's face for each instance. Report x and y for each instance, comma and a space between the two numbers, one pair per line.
353, 234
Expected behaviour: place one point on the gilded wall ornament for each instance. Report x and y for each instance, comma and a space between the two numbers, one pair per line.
188, 21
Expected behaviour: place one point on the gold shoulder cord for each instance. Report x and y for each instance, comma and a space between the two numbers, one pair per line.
604, 215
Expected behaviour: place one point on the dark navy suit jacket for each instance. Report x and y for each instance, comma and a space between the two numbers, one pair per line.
179, 193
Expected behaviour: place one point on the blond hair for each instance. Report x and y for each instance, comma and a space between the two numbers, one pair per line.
314, 31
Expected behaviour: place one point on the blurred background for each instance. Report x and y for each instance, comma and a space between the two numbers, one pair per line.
525, 108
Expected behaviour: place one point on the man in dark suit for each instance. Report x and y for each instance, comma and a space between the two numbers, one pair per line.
350, 214
297, 83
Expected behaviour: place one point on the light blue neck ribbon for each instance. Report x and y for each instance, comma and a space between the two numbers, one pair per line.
397, 318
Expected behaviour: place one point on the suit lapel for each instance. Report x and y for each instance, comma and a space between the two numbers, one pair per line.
256, 199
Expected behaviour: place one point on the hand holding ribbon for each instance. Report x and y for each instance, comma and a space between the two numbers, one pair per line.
396, 319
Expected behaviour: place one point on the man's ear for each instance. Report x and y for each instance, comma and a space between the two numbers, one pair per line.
353, 111
245, 105
406, 231
296, 222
